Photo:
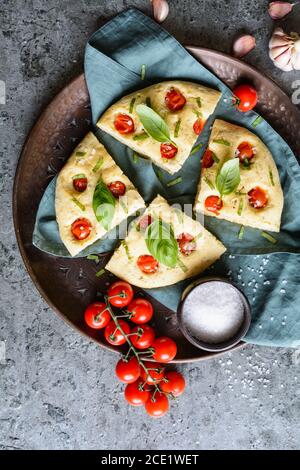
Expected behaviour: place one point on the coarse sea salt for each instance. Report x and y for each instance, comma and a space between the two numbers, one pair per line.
213, 312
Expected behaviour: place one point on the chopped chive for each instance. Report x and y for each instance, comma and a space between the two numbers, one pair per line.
143, 136
215, 158
148, 102
79, 176
177, 127
209, 183
125, 246
123, 205
257, 121
100, 273
239, 193
179, 215
268, 237
241, 232
198, 236
78, 203
198, 113
93, 258
271, 177
98, 165
199, 102
143, 72
135, 157
196, 148
222, 142
182, 265
160, 176
241, 206
131, 106
79, 153
174, 182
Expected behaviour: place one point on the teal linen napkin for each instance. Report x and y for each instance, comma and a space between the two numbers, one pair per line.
268, 274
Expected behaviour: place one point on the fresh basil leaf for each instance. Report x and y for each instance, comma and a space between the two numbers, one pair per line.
228, 177
153, 124
161, 243
103, 205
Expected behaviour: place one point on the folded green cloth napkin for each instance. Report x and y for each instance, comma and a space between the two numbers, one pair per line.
268, 274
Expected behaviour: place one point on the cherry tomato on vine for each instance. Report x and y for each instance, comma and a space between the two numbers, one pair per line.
96, 315
157, 405
165, 349
124, 124
168, 151
120, 294
156, 373
213, 204
174, 100
147, 264
136, 394
128, 371
142, 336
117, 188
113, 335
258, 198
174, 383
245, 97
141, 309
81, 228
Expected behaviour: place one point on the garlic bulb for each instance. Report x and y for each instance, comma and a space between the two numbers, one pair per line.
284, 50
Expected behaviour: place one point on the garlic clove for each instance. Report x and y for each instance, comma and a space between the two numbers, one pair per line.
160, 10
283, 61
296, 55
275, 52
243, 45
278, 10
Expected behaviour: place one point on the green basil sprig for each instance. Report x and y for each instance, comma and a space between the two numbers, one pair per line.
103, 205
153, 123
161, 243
228, 177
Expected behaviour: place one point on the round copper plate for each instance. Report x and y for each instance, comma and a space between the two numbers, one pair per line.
68, 285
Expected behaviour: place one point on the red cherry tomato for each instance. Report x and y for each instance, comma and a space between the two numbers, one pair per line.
136, 394
124, 124
113, 335
245, 152
156, 373
128, 371
97, 316
186, 243
80, 184
165, 349
147, 264
175, 100
168, 151
120, 294
175, 383
213, 204
142, 336
81, 228
207, 159
157, 405
144, 222
199, 125
258, 197
245, 97
141, 309
117, 188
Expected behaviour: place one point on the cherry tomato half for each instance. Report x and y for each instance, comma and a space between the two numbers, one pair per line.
155, 374
136, 394
147, 264
142, 336
113, 335
258, 198
186, 243
213, 204
157, 405
207, 159
117, 188
245, 97
124, 124
141, 309
96, 315
199, 125
120, 294
245, 152
174, 383
81, 228
168, 151
165, 349
80, 184
128, 371
144, 222
175, 100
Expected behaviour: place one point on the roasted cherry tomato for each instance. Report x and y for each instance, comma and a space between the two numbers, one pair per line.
175, 100
245, 152
136, 394
120, 294
157, 405
207, 159
213, 204
80, 183
124, 124
113, 335
144, 222
81, 228
258, 197
168, 151
156, 373
165, 349
117, 188
199, 125
128, 371
173, 383
147, 264
142, 336
141, 309
245, 97
97, 316
186, 243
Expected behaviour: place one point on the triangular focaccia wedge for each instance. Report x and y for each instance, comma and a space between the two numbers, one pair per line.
258, 199
201, 249
90, 160
197, 103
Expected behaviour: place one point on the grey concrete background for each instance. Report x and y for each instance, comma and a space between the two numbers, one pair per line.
57, 389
